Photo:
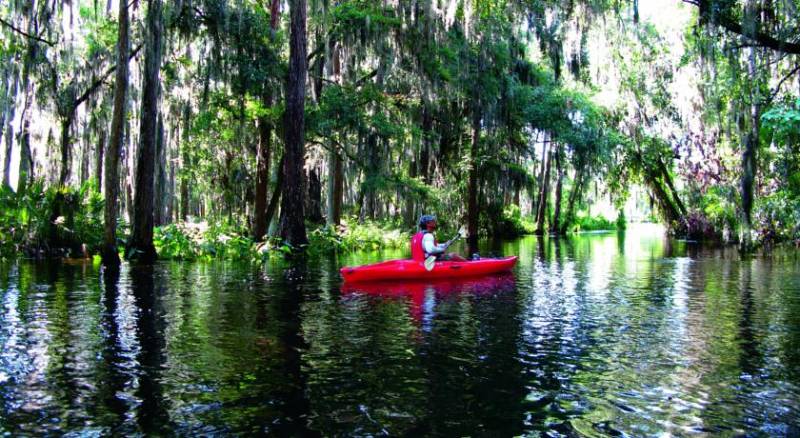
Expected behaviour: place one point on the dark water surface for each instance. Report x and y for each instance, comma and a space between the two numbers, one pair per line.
598, 335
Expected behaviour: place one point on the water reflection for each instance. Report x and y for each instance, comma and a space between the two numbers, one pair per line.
152, 413
448, 371
421, 296
617, 334
115, 370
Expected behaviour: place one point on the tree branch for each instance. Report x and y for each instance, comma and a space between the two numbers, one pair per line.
366, 77
777, 88
101, 80
26, 34
323, 79
761, 38
318, 51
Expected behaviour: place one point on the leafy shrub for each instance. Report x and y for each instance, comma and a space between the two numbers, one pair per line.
23, 219
512, 224
193, 241
593, 223
88, 220
719, 208
777, 217
173, 242
230, 243
351, 236
55, 221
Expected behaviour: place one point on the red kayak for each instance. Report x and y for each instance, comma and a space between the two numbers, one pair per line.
415, 270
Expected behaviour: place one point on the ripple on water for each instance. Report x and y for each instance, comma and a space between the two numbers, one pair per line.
602, 335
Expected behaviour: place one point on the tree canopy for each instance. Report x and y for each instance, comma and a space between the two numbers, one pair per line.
508, 116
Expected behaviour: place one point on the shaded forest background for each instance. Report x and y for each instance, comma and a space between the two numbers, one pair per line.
136, 125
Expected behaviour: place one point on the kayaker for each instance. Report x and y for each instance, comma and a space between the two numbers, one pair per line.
423, 244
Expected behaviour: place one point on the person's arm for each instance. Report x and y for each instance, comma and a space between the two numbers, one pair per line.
429, 247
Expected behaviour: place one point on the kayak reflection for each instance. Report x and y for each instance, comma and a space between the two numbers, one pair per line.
422, 295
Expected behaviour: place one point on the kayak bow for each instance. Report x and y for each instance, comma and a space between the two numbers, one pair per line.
415, 270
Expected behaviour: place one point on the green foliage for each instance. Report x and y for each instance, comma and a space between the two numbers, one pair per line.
621, 222
513, 224
23, 218
101, 36
53, 221
719, 209
777, 216
230, 243
88, 223
173, 242
188, 241
783, 121
396, 90
593, 223
782, 124
224, 242
352, 236
350, 17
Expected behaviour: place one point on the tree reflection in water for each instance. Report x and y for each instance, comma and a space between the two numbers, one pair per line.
599, 334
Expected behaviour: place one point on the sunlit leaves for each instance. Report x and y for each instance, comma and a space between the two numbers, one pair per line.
101, 32
784, 122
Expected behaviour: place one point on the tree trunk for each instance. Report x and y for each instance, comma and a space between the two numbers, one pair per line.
187, 115
9, 127
410, 216
670, 212
264, 150
141, 246
555, 226
160, 176
85, 154
263, 156
427, 140
573, 198
369, 190
5, 103
25, 173
749, 155
172, 148
544, 190
66, 152
335, 188
542, 165
101, 150
334, 207
276, 193
9, 132
293, 228
314, 196
25, 161
472, 185
171, 216
668, 181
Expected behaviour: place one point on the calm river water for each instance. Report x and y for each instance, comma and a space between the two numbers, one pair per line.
596, 335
